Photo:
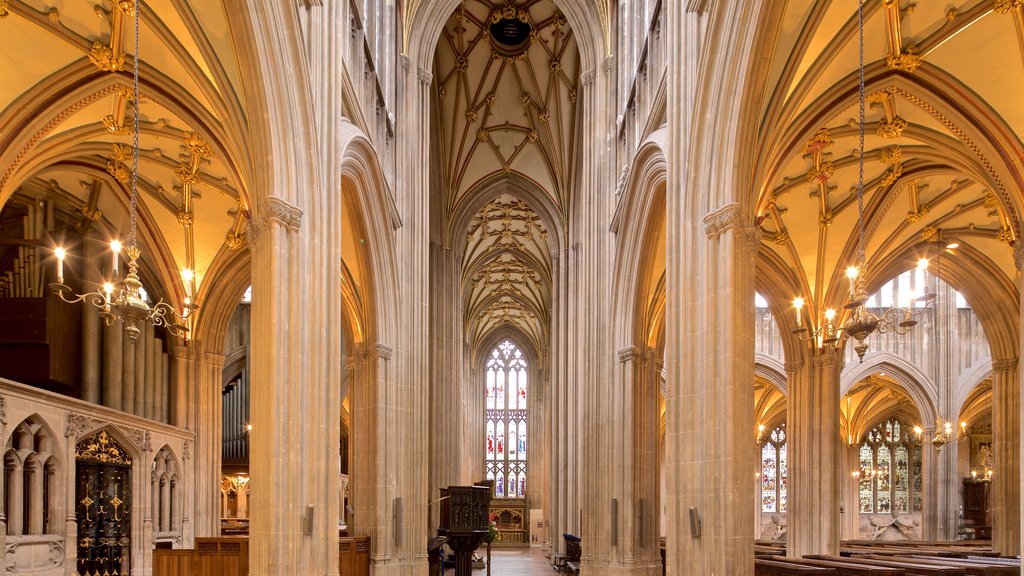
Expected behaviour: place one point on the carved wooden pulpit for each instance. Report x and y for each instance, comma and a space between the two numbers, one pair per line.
464, 522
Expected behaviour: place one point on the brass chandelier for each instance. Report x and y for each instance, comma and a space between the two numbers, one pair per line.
122, 298
861, 321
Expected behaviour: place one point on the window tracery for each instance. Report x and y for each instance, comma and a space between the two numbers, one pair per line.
774, 471
890, 470
506, 432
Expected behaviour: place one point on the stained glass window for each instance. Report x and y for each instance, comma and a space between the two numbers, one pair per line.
890, 470
505, 392
774, 471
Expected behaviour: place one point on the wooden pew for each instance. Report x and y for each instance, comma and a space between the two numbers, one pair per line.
844, 568
763, 567
913, 568
991, 566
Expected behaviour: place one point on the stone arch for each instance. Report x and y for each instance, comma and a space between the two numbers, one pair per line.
914, 382
80, 85
772, 371
637, 224
374, 205
969, 380
491, 188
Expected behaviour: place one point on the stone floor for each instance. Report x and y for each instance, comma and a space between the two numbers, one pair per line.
518, 562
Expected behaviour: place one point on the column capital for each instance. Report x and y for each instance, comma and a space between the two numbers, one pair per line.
178, 352
587, 77
720, 221
213, 358
629, 354
274, 210
425, 76
793, 366
1004, 364
378, 351
826, 356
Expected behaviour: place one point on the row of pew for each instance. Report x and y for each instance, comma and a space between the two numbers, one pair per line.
901, 558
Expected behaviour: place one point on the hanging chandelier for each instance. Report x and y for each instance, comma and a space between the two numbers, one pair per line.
861, 322
122, 298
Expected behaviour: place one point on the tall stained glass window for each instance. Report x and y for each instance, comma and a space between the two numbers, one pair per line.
505, 416
774, 473
890, 470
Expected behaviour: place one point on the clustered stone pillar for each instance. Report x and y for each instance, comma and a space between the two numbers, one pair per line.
1006, 422
812, 431
710, 451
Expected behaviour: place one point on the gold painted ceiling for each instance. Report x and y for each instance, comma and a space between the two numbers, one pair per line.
943, 155
504, 110
65, 124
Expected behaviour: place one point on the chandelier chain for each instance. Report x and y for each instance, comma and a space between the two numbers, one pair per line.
860, 160
135, 132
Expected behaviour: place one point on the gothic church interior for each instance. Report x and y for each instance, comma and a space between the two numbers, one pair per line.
594, 252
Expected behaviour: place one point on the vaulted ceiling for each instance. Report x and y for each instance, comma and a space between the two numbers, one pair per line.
942, 151
65, 124
505, 81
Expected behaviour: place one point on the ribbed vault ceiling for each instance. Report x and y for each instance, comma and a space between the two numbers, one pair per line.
505, 81
943, 92
66, 118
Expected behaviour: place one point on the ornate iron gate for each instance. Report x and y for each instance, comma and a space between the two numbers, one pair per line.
103, 495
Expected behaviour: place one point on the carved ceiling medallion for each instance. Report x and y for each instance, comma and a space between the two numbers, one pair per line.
511, 32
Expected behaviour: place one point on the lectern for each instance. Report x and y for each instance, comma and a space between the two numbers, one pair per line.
464, 522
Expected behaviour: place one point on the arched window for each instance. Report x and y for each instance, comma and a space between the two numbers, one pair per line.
774, 473
890, 470
505, 384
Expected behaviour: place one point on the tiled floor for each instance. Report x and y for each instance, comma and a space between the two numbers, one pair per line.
518, 562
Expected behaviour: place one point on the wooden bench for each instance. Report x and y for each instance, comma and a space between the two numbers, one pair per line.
572, 567
846, 568
912, 567
780, 567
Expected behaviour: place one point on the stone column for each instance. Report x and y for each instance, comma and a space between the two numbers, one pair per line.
1006, 487
178, 385
710, 404
372, 475
112, 372
812, 430
149, 384
451, 441
91, 332
70, 503
209, 366
941, 487
163, 403
295, 367
128, 376
850, 511
139, 404
634, 451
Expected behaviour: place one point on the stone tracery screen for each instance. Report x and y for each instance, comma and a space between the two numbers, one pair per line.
505, 416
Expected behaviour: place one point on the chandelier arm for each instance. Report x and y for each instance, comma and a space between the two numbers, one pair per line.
96, 299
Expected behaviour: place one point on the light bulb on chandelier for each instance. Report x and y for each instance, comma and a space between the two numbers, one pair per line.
122, 299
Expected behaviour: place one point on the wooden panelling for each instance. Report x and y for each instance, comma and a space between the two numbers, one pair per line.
172, 563
354, 556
